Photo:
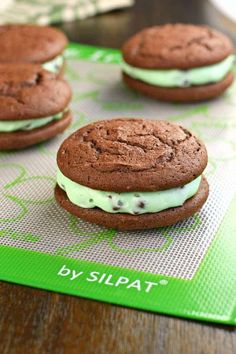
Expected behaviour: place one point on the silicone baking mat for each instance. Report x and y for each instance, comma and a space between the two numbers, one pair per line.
186, 270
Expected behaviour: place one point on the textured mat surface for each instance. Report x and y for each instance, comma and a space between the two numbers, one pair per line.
174, 258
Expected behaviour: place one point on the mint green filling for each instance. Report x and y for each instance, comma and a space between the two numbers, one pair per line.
54, 65
128, 202
27, 124
181, 78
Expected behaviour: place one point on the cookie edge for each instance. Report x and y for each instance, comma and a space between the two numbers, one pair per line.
23, 139
136, 222
180, 94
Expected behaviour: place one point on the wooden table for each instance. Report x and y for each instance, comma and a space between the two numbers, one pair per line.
36, 321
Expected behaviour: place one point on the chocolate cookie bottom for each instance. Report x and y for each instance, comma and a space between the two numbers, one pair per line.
180, 94
136, 222
22, 139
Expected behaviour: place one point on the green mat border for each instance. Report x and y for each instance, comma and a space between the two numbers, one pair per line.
94, 54
209, 296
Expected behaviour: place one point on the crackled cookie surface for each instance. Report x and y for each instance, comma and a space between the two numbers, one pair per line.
33, 44
134, 171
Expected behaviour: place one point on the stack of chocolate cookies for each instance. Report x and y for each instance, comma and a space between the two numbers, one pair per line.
125, 173
34, 97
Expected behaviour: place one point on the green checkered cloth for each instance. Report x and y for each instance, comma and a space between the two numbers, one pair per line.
50, 11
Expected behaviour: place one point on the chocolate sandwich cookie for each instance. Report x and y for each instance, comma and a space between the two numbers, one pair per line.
178, 62
34, 105
33, 44
132, 173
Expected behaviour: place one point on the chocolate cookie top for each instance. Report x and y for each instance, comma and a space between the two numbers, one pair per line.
28, 91
132, 155
30, 43
179, 46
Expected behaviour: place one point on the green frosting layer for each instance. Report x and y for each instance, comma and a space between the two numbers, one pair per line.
181, 78
54, 65
27, 124
128, 202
